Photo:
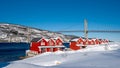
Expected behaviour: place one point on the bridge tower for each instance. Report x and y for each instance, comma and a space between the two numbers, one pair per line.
85, 29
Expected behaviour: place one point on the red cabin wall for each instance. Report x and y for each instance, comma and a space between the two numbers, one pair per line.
96, 41
43, 40
53, 44
84, 43
34, 46
55, 49
87, 42
58, 43
46, 44
100, 42
106, 41
92, 42
80, 41
73, 46
48, 49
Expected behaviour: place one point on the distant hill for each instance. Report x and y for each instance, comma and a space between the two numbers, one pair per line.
19, 33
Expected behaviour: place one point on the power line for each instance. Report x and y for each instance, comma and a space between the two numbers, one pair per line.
69, 26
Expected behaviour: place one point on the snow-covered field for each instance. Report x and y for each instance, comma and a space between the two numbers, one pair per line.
98, 56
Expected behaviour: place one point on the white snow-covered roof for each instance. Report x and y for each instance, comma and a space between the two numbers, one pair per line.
89, 39
44, 39
47, 40
83, 39
76, 39
55, 38
35, 39
52, 39
58, 38
93, 39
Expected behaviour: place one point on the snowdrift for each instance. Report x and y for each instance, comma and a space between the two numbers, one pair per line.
98, 56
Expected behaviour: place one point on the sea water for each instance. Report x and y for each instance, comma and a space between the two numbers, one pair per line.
12, 51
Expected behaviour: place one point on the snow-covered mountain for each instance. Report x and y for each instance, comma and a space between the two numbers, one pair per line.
18, 33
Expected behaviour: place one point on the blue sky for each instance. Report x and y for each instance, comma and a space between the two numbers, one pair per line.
57, 15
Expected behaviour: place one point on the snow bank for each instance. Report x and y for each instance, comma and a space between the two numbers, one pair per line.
99, 56
22, 65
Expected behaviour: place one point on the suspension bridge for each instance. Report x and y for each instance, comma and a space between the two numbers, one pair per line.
86, 31
93, 31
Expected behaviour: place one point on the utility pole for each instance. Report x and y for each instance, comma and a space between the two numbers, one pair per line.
10, 37
85, 29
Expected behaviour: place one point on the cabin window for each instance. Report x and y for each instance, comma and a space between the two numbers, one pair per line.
81, 42
60, 43
86, 42
91, 42
50, 43
42, 43
43, 50
78, 43
57, 41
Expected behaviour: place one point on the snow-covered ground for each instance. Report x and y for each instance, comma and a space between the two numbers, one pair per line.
98, 56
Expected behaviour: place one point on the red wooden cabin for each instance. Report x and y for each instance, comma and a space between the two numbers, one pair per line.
105, 41
36, 42
89, 42
53, 45
51, 42
73, 45
101, 41
92, 42
96, 41
41, 45
58, 42
76, 44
